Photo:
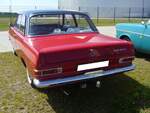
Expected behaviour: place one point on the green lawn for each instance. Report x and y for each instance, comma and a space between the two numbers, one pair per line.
4, 23
112, 22
124, 93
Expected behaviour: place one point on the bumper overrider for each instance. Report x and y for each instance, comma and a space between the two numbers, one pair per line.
48, 83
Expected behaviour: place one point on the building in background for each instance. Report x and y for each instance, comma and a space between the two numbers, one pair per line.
108, 8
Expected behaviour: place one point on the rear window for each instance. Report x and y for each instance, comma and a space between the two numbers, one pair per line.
46, 20
59, 24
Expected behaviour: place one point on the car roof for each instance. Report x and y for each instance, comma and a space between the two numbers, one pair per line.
37, 12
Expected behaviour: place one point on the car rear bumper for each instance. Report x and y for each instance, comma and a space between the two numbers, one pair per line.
55, 82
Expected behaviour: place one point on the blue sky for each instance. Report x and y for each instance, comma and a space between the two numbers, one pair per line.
19, 5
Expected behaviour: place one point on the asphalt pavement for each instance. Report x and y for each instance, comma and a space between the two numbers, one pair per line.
5, 45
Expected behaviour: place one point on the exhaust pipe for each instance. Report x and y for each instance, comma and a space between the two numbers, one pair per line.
83, 86
98, 84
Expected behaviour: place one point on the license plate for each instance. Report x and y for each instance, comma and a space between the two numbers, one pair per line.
95, 65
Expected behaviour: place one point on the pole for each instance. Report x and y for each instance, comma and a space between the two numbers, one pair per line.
35, 4
97, 15
79, 8
59, 4
114, 15
10, 11
129, 14
142, 9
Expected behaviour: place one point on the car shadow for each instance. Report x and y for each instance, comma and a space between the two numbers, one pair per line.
143, 56
117, 94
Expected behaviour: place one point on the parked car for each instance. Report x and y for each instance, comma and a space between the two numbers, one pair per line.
63, 47
138, 34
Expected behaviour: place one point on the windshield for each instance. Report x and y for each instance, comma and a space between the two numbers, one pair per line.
60, 24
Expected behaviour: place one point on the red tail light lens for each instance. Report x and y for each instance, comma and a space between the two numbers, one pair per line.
126, 59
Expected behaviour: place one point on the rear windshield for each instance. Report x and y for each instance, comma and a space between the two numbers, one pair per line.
60, 24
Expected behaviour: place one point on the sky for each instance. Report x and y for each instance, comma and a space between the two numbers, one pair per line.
21, 5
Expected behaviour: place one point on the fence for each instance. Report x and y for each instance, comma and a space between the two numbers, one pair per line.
116, 14
100, 15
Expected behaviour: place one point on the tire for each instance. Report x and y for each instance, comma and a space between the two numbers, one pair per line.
30, 80
126, 38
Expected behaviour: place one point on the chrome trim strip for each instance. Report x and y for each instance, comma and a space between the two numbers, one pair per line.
43, 84
35, 70
146, 35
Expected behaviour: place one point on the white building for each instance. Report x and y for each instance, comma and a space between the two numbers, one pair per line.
109, 8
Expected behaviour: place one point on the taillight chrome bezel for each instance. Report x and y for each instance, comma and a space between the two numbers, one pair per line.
48, 72
126, 59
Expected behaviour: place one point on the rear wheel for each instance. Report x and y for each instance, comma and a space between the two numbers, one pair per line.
126, 38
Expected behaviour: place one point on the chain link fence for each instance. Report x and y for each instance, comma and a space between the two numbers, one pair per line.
113, 15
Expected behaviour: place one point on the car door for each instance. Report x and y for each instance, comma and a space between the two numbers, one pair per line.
145, 42
20, 34
13, 32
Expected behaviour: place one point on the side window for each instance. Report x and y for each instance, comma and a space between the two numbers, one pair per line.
69, 20
82, 22
18, 22
22, 24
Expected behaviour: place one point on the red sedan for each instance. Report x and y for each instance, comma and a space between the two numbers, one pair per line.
63, 47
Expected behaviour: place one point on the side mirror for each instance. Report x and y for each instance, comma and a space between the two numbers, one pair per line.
11, 25
143, 23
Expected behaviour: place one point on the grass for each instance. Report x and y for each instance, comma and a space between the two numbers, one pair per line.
124, 93
4, 22
112, 22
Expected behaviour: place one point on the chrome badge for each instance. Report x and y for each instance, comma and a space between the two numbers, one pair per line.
93, 53
120, 50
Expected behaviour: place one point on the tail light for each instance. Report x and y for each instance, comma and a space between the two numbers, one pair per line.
126, 59
48, 72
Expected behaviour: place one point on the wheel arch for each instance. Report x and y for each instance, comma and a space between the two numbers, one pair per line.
22, 60
124, 36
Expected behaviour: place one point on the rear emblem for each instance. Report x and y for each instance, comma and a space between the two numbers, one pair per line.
93, 53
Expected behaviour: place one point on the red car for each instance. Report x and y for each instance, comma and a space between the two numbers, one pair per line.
60, 47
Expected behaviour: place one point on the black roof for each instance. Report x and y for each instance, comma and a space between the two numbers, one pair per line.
37, 12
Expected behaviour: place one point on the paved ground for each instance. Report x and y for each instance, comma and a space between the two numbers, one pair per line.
107, 30
5, 45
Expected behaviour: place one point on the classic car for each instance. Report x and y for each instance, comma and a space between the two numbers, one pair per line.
138, 34
64, 47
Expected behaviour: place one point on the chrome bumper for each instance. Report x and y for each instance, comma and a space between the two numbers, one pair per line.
43, 84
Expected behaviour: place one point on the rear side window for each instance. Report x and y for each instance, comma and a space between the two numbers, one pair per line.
20, 23
69, 20
82, 22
